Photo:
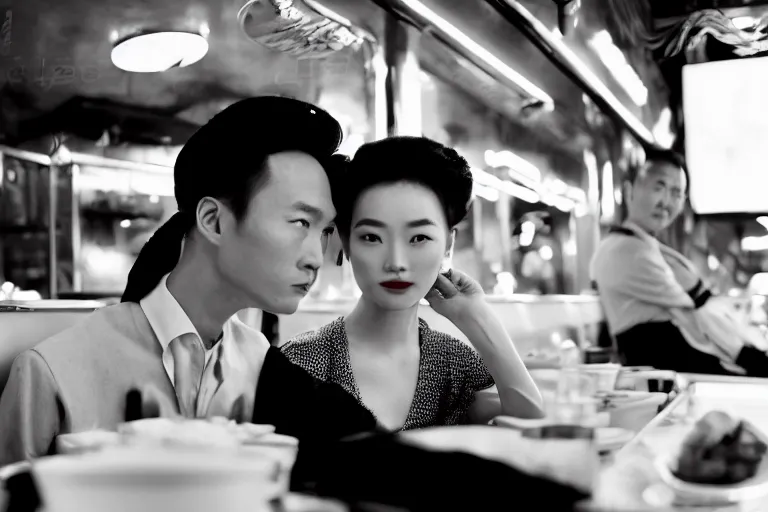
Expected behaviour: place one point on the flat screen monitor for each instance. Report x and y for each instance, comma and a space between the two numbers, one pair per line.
726, 135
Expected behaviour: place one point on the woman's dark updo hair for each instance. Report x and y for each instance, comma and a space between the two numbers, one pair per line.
405, 159
227, 159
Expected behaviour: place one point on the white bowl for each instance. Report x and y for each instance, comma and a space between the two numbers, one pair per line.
593, 377
604, 376
751, 490
156, 480
636, 411
640, 379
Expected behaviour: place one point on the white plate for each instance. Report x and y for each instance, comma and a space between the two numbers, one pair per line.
750, 489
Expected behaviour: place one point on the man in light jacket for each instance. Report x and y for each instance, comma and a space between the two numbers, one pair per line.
646, 303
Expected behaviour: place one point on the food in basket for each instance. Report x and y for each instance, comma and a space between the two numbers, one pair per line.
720, 450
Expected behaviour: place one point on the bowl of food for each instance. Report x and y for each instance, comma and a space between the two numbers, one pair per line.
721, 460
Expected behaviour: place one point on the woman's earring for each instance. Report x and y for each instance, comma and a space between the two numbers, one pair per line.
447, 262
340, 259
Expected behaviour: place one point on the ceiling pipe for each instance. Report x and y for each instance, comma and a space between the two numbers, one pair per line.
418, 14
574, 68
85, 159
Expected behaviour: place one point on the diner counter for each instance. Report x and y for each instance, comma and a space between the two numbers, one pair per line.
312, 304
530, 320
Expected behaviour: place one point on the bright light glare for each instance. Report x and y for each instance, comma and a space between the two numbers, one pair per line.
518, 166
487, 193
527, 232
513, 189
607, 205
744, 22
754, 243
159, 51
623, 72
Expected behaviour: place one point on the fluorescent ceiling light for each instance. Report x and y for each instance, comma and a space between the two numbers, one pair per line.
662, 130
159, 51
518, 166
479, 51
607, 205
513, 189
487, 193
617, 64
554, 46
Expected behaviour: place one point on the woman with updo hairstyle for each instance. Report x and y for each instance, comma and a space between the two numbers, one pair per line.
398, 204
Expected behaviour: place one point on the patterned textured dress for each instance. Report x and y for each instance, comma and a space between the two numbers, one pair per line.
450, 371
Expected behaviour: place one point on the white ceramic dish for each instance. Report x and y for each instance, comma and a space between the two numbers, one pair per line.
604, 376
597, 377
547, 380
699, 494
632, 410
643, 380
156, 480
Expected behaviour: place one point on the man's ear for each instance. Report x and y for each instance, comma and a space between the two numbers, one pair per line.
212, 215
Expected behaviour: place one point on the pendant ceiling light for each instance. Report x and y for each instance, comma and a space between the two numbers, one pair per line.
295, 28
154, 52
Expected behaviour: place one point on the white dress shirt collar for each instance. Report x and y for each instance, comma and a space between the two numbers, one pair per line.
165, 315
242, 349
169, 321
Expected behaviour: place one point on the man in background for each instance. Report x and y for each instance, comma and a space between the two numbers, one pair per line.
653, 296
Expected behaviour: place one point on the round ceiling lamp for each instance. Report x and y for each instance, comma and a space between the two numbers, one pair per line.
154, 52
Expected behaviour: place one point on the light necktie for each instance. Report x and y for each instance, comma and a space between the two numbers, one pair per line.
188, 366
